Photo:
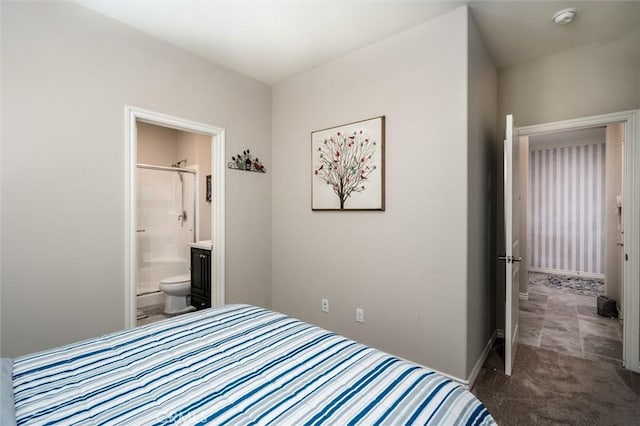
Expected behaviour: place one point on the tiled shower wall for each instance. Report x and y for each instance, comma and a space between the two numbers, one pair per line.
566, 213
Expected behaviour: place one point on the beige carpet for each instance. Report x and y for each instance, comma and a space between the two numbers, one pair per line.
549, 387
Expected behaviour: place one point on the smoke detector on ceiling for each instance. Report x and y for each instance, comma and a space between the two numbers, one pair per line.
564, 16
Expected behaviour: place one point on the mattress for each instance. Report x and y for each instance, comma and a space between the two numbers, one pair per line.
237, 364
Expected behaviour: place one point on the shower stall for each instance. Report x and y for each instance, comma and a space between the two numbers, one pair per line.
165, 225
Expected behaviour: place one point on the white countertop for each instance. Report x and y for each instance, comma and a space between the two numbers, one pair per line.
205, 245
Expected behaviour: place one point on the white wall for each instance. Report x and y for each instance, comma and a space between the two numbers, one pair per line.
481, 117
585, 81
405, 266
68, 72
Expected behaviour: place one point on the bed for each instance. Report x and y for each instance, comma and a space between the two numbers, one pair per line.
237, 364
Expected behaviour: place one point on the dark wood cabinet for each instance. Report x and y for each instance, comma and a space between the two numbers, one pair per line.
200, 278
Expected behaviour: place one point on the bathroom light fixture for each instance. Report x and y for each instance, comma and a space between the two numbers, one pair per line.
564, 16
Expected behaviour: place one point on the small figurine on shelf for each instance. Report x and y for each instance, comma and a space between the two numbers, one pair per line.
239, 164
245, 162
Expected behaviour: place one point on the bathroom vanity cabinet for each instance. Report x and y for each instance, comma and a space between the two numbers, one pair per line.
200, 278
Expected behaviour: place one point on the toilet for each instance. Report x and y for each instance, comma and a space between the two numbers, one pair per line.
177, 290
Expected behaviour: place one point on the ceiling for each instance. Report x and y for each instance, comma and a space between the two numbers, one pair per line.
272, 40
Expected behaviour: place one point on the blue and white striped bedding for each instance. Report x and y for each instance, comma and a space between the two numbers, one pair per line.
233, 365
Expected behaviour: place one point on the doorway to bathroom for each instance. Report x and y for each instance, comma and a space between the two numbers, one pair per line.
172, 214
175, 201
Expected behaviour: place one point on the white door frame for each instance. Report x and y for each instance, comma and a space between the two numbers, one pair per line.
132, 115
631, 217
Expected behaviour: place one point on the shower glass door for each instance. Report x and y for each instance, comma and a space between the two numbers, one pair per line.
165, 225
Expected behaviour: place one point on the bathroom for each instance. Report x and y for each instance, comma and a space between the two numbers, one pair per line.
173, 214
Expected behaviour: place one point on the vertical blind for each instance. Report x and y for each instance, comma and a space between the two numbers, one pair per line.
566, 210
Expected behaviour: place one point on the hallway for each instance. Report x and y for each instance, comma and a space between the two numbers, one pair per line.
566, 322
568, 369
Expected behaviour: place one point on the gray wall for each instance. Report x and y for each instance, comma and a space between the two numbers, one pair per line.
1, 166
523, 182
613, 253
589, 80
406, 267
67, 74
481, 133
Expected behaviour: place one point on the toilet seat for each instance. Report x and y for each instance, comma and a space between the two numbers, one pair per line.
176, 279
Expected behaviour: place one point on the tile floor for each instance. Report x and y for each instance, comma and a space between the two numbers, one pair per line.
154, 313
568, 323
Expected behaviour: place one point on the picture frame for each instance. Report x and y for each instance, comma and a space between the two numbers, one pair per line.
347, 166
208, 188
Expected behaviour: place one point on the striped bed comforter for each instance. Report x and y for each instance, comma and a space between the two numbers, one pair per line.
237, 364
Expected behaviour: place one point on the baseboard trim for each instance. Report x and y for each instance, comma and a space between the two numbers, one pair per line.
475, 371
466, 383
566, 273
620, 316
524, 296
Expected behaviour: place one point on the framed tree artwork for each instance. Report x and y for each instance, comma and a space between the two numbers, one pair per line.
348, 166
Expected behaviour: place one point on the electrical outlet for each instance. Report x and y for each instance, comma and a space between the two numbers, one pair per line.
359, 315
325, 305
